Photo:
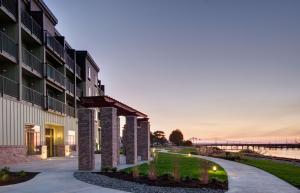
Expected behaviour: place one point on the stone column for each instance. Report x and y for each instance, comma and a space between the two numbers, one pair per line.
109, 137
143, 139
131, 139
86, 139
118, 142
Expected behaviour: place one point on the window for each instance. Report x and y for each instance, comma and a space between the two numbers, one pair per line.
33, 139
96, 79
71, 137
90, 91
89, 73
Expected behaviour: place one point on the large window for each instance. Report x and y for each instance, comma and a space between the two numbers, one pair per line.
33, 139
71, 138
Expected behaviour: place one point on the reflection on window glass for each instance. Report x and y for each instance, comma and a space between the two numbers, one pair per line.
71, 137
33, 139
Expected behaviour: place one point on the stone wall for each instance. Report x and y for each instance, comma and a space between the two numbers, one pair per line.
131, 139
15, 154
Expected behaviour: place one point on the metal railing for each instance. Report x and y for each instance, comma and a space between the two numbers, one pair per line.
57, 47
55, 75
56, 105
70, 62
32, 61
70, 86
31, 24
9, 87
70, 111
78, 70
8, 45
32, 96
10, 5
79, 92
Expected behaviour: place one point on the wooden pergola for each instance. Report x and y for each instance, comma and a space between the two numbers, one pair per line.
106, 101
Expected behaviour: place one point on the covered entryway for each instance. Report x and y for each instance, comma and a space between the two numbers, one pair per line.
54, 139
136, 139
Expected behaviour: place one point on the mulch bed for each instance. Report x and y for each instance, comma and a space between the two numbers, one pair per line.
14, 178
166, 181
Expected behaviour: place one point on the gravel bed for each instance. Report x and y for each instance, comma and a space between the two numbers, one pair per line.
128, 186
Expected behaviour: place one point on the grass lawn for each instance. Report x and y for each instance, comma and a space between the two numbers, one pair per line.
188, 167
287, 172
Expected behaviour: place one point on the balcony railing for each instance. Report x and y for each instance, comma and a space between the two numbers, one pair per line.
55, 75
78, 70
56, 105
32, 96
79, 92
10, 5
70, 86
70, 62
8, 45
57, 47
9, 87
70, 111
32, 61
31, 25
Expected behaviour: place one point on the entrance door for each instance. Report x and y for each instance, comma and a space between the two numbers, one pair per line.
50, 142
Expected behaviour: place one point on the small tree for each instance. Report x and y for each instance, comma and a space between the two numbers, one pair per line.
187, 143
176, 137
159, 137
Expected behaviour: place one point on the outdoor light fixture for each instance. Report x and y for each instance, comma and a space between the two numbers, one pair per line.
214, 168
189, 155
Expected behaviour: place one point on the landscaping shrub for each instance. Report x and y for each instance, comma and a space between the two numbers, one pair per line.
152, 173
176, 172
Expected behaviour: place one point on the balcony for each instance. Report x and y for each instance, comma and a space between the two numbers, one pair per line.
9, 5
32, 96
8, 46
70, 87
9, 87
70, 111
79, 92
55, 46
70, 63
78, 71
33, 62
55, 76
55, 105
33, 27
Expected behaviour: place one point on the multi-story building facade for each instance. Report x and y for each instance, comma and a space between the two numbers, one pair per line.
41, 80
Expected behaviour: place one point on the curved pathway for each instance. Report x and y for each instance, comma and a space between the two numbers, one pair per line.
248, 179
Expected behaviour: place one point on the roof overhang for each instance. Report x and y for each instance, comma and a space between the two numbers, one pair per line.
106, 101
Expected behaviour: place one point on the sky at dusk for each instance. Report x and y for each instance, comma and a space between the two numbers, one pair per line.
215, 69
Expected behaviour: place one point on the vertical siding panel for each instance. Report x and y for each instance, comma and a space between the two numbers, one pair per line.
22, 124
1, 122
12, 123
4, 123
18, 123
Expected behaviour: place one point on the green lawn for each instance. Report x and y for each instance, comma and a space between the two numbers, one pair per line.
188, 166
288, 172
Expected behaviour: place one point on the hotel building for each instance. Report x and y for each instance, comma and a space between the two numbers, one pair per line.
41, 80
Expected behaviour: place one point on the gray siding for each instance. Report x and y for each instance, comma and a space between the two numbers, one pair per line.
14, 115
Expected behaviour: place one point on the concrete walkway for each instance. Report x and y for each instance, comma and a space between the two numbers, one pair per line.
56, 177
248, 179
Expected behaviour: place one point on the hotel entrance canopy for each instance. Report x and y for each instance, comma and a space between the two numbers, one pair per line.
106, 101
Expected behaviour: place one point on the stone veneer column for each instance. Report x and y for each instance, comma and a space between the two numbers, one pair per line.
118, 142
131, 139
143, 139
86, 139
109, 137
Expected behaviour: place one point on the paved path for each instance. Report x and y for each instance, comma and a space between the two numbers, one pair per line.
248, 179
56, 177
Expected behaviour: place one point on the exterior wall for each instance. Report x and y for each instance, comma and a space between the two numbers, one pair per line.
14, 115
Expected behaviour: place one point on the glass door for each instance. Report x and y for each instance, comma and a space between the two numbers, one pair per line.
50, 142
